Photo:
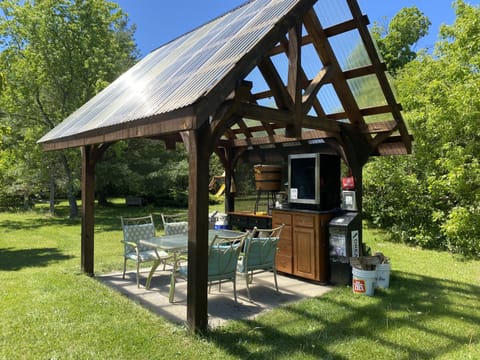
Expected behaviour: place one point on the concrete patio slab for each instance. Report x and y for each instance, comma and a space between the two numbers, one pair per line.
221, 305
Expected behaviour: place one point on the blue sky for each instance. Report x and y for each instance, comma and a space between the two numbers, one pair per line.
159, 21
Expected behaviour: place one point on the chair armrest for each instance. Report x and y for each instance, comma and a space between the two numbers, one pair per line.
129, 243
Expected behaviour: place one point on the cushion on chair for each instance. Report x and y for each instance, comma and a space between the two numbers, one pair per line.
135, 233
261, 254
176, 227
146, 255
183, 270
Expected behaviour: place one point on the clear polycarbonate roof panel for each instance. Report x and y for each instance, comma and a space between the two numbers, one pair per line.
177, 74
331, 12
329, 100
378, 118
310, 61
367, 91
350, 50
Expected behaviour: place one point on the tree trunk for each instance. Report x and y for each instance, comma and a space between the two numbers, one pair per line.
72, 202
52, 196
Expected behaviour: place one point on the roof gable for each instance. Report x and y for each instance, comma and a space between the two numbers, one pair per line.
274, 73
179, 73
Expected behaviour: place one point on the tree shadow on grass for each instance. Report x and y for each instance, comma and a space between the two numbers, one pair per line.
12, 259
412, 305
33, 224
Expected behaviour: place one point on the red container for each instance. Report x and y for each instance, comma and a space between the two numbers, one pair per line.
348, 183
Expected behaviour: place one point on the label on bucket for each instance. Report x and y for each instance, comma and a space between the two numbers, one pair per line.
359, 286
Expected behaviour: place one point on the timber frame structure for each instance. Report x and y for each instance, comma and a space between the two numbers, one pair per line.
322, 92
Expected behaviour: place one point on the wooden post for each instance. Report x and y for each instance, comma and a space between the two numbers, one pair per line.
88, 207
229, 181
90, 155
198, 153
294, 85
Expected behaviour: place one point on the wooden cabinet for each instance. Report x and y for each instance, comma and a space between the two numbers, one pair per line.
303, 246
284, 259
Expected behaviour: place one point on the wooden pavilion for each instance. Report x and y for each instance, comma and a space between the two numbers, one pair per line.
267, 79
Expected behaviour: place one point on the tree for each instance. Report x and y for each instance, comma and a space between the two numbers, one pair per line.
403, 31
56, 55
439, 186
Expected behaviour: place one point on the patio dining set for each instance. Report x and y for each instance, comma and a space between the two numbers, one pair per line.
230, 252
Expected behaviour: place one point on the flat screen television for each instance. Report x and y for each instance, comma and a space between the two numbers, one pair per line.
304, 180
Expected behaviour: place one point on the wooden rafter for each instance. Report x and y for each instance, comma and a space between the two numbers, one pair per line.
327, 56
277, 87
382, 77
310, 94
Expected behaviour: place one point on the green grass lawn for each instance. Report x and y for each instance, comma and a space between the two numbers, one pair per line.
50, 310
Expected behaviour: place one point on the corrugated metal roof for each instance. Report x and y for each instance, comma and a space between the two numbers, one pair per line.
177, 74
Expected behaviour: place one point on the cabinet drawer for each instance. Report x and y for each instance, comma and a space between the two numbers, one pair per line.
282, 218
238, 221
284, 263
261, 223
304, 220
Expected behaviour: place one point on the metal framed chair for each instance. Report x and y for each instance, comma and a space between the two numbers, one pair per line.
134, 230
223, 255
174, 223
259, 254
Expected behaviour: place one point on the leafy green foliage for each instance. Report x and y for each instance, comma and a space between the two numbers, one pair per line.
55, 55
403, 31
434, 196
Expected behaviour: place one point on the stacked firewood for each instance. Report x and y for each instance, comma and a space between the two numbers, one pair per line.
369, 262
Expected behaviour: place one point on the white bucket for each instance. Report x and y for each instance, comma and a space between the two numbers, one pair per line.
383, 275
363, 281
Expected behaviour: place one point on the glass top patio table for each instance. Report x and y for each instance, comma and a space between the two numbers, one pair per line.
177, 244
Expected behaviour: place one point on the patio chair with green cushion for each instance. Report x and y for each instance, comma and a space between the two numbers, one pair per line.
134, 230
223, 255
259, 254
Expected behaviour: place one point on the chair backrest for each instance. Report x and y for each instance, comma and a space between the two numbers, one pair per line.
274, 232
261, 247
136, 229
174, 224
223, 256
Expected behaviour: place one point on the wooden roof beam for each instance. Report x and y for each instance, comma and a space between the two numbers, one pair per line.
277, 87
382, 77
310, 94
382, 109
380, 127
262, 113
327, 56
267, 140
330, 31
